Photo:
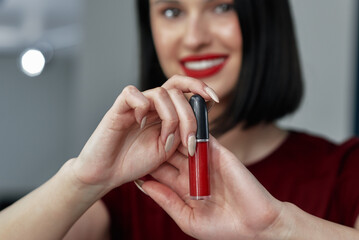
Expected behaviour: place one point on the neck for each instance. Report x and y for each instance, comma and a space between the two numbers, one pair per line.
254, 144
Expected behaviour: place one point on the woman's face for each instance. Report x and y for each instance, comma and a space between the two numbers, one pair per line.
200, 39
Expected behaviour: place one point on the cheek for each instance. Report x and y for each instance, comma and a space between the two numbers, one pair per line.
231, 35
165, 45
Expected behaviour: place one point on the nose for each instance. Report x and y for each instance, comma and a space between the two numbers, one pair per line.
197, 34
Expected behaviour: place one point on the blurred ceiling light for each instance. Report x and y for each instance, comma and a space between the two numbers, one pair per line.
32, 62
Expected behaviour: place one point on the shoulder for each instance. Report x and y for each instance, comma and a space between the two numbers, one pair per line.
313, 143
318, 153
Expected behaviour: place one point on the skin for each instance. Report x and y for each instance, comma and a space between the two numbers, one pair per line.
109, 159
186, 28
197, 28
240, 208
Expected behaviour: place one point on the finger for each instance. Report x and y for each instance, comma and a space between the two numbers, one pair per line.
179, 161
188, 84
176, 208
167, 174
161, 102
173, 178
187, 120
131, 99
182, 149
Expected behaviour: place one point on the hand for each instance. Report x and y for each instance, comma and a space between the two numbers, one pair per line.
239, 207
120, 150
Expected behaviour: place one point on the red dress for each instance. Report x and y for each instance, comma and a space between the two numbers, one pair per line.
318, 176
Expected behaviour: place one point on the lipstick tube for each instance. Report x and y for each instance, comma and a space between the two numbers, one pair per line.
199, 183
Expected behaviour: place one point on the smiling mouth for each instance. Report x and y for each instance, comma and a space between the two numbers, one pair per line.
203, 66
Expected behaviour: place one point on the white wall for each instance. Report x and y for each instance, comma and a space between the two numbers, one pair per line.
326, 31
33, 124
108, 62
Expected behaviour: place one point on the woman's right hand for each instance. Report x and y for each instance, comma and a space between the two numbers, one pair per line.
239, 206
120, 150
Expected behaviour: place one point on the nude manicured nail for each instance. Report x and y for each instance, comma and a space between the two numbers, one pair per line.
139, 184
191, 145
143, 122
212, 94
169, 142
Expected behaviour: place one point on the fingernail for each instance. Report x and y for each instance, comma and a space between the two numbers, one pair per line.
191, 145
139, 184
143, 122
169, 142
212, 94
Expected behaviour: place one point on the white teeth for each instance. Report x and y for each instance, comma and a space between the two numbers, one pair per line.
203, 64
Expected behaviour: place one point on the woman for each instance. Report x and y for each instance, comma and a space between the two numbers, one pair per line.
259, 82
245, 51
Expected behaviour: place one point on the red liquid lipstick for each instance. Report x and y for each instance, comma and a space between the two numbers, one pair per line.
199, 183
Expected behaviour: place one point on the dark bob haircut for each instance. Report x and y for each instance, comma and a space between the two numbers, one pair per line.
270, 83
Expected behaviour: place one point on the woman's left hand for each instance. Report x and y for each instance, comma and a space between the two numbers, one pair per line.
239, 207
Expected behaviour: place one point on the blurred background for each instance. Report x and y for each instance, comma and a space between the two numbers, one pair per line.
63, 63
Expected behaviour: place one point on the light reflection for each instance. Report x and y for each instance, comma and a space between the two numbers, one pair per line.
32, 62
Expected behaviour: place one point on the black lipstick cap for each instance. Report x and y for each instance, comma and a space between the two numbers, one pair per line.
200, 112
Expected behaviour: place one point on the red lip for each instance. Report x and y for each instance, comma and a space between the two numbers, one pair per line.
205, 72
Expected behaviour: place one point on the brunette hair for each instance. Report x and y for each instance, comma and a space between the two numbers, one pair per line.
270, 82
